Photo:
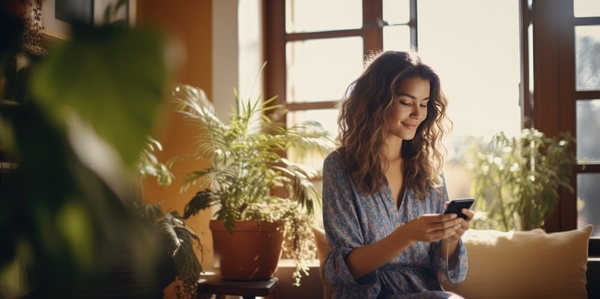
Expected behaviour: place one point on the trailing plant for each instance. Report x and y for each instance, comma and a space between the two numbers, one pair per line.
249, 178
517, 179
179, 241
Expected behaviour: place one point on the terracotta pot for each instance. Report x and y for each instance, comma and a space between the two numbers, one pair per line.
251, 251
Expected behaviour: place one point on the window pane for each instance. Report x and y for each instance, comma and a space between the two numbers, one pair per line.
587, 59
530, 55
477, 59
327, 118
320, 70
588, 205
586, 8
588, 126
318, 15
396, 38
396, 11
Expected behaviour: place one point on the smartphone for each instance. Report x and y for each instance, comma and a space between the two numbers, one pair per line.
457, 205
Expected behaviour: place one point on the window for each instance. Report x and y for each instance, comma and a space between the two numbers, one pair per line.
313, 54
587, 111
566, 34
551, 77
474, 47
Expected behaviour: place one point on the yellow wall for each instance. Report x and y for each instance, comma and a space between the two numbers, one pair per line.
189, 24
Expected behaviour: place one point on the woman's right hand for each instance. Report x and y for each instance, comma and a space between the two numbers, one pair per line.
431, 227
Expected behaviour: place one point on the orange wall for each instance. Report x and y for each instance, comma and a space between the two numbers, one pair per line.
189, 24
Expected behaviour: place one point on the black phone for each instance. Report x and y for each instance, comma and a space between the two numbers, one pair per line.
457, 205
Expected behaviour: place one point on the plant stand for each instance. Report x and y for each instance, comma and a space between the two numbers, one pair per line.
215, 285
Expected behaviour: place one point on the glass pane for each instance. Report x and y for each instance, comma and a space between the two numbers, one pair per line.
588, 126
320, 70
458, 49
396, 38
396, 11
327, 118
586, 8
317, 15
588, 202
530, 55
587, 47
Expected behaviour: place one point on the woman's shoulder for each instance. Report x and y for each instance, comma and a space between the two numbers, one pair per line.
336, 156
334, 161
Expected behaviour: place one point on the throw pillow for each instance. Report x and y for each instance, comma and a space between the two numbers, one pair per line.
525, 264
322, 252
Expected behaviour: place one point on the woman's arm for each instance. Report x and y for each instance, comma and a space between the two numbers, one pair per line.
426, 228
449, 252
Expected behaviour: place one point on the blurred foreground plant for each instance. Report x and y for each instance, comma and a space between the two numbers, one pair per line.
75, 116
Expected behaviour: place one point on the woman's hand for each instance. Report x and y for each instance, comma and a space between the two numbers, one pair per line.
433, 227
464, 224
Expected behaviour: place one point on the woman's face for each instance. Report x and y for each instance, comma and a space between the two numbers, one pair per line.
409, 108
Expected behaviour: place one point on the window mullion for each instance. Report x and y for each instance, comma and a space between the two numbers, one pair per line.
372, 32
274, 74
414, 24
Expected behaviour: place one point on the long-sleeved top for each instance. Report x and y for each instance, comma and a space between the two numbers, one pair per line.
353, 219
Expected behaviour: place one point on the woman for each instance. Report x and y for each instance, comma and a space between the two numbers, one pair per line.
383, 193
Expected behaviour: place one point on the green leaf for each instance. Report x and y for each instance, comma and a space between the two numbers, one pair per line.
114, 78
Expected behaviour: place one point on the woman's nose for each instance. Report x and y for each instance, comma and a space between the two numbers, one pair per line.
416, 112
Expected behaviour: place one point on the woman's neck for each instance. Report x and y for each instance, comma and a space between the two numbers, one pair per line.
392, 149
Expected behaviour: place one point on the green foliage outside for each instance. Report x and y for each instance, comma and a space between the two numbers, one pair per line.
516, 180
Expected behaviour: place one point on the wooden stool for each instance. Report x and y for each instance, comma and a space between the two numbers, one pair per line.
247, 289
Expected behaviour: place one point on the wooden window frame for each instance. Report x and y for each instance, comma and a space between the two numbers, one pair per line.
555, 94
276, 38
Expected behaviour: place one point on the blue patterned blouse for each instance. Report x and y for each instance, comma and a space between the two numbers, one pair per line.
352, 221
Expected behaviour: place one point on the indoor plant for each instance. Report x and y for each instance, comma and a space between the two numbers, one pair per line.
178, 240
249, 179
516, 179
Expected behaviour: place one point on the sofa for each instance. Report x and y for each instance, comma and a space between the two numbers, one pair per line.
516, 264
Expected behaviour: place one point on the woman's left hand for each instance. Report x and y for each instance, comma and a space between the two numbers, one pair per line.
464, 224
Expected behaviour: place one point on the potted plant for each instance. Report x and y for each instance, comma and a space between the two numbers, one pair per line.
250, 183
516, 179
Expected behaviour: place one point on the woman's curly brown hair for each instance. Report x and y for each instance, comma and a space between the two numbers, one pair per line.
363, 122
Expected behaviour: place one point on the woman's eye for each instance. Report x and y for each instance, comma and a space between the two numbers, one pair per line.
410, 103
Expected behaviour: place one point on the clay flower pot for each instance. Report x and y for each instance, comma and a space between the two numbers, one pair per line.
251, 251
